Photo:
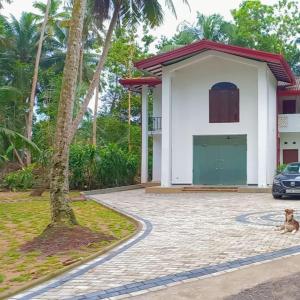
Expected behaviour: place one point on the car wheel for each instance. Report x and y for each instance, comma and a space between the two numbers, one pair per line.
277, 196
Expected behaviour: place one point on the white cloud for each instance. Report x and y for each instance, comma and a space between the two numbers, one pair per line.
222, 7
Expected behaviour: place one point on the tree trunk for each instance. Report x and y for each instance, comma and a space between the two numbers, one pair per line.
20, 161
94, 139
61, 212
129, 120
96, 78
129, 92
34, 81
80, 76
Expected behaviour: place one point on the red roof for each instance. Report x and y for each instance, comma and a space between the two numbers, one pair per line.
276, 62
135, 84
289, 90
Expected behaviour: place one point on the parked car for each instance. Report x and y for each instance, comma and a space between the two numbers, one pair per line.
287, 183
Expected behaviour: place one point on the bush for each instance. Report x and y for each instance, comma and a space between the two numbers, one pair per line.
94, 167
116, 167
20, 180
82, 167
90, 167
280, 168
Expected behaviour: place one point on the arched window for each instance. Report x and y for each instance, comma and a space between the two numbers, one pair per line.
224, 103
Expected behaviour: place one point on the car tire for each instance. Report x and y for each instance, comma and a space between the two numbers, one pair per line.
277, 196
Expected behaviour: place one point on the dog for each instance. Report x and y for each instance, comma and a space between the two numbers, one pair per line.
290, 224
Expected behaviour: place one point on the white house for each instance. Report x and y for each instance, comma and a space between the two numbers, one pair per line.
222, 115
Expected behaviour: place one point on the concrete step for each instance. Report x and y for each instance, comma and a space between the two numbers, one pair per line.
210, 189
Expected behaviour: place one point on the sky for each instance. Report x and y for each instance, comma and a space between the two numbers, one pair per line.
221, 7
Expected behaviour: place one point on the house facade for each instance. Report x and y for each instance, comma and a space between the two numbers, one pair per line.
222, 115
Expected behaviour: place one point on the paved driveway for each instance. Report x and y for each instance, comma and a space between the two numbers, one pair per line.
185, 237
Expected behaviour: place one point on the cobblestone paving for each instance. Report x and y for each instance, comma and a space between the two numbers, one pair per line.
182, 233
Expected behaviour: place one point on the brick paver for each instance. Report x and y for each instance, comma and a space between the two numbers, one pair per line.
185, 236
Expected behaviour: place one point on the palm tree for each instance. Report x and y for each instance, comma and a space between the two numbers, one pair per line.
4, 41
35, 78
61, 212
57, 20
151, 10
16, 141
4, 1
17, 52
25, 35
212, 27
94, 133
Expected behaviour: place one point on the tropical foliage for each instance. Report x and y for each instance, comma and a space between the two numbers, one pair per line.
272, 28
107, 38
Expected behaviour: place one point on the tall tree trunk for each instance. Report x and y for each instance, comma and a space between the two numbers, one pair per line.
129, 92
129, 120
94, 139
96, 78
61, 212
34, 81
80, 75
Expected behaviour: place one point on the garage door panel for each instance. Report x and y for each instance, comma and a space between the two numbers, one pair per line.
220, 160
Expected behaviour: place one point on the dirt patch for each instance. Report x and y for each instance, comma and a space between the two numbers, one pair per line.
61, 239
286, 288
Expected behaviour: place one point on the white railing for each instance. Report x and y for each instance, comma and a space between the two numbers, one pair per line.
289, 123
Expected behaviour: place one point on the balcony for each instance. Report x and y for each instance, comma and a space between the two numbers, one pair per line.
289, 123
155, 125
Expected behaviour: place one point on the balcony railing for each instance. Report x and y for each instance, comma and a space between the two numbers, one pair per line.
155, 124
289, 122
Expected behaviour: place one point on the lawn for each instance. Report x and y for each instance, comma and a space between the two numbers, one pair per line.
24, 218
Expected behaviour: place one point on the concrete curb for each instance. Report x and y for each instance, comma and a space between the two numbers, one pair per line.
113, 189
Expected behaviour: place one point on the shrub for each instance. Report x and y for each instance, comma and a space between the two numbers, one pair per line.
100, 167
116, 167
20, 180
280, 168
82, 166
90, 167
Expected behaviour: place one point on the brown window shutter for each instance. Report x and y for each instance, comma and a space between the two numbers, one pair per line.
290, 155
224, 106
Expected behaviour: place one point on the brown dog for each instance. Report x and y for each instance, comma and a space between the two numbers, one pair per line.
290, 224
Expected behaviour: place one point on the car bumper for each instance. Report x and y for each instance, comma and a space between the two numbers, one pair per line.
281, 190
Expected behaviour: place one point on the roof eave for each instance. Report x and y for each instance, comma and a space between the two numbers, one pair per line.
205, 45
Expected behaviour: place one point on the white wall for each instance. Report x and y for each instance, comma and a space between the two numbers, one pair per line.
289, 122
289, 138
272, 131
157, 101
156, 161
191, 81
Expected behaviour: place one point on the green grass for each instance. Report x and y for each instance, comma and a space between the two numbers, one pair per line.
24, 217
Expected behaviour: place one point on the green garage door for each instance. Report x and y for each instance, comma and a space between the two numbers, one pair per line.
220, 159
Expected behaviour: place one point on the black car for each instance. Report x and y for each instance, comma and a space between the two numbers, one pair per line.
287, 182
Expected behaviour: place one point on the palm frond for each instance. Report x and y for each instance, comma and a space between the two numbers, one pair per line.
153, 12
101, 10
19, 138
